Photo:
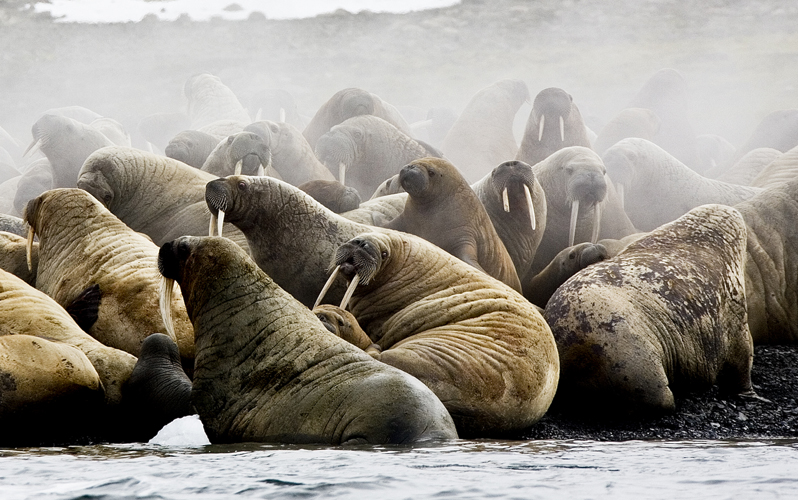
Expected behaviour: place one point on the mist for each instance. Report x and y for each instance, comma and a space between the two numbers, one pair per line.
738, 58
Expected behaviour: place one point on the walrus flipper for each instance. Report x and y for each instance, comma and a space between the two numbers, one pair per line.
86, 306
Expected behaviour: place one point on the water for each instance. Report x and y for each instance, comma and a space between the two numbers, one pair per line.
460, 469
116, 11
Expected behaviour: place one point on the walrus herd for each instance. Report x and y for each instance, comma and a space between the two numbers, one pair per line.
227, 267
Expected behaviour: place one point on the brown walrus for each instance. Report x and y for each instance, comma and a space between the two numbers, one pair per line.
442, 208
482, 348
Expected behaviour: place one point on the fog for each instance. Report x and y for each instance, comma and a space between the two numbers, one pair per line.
739, 58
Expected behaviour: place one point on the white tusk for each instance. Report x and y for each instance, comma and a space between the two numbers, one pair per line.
342, 173
572, 227
212, 225
261, 170
619, 190
505, 199
220, 222
562, 129
596, 223
350, 291
165, 303
326, 286
29, 248
33, 148
239, 164
282, 115
540, 127
259, 115
150, 148
531, 206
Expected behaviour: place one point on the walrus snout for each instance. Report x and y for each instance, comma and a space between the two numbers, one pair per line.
587, 187
171, 255
414, 179
216, 196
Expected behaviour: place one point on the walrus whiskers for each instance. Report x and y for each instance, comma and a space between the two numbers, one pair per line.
596, 223
530, 205
239, 164
572, 226
350, 291
327, 286
540, 127
29, 248
165, 304
505, 199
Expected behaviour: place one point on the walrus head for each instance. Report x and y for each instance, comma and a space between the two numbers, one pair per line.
249, 153
515, 181
338, 148
358, 260
417, 177
620, 161
552, 105
220, 198
45, 129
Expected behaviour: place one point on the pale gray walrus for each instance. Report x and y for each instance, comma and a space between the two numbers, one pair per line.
83, 245
554, 123
158, 196
242, 153
782, 169
192, 147
482, 136
777, 130
210, 100
333, 195
658, 188
747, 168
482, 348
268, 370
539, 288
630, 122
665, 316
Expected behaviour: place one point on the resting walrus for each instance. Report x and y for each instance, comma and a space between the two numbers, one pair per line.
482, 348
667, 314
268, 370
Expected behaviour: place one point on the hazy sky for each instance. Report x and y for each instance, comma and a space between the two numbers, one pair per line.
94, 11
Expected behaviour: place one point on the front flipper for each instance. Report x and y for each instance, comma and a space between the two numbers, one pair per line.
85, 308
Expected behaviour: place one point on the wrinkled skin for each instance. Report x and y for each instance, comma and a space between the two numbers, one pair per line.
380, 210
27, 311
154, 195
268, 370
192, 147
333, 195
576, 174
713, 151
369, 148
442, 208
82, 244
777, 130
292, 156
551, 105
12, 224
158, 390
747, 168
291, 236
519, 233
630, 122
484, 350
482, 136
565, 264
245, 147
658, 188
210, 100
665, 93
13, 257
666, 315
66, 143
782, 169
346, 104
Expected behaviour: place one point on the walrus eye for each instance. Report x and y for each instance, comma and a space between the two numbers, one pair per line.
230, 139
384, 255
242, 186
572, 256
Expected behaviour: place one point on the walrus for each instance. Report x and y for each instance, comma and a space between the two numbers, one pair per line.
630, 122
747, 168
516, 204
777, 130
482, 136
781, 169
380, 210
579, 198
539, 288
482, 348
666, 315
554, 123
158, 196
657, 188
442, 208
365, 150
192, 147
333, 195
210, 100
82, 244
268, 370
242, 153
13, 257
36, 180
27, 311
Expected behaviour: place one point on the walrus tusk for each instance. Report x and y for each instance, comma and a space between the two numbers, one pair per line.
562, 129
540, 127
220, 222
259, 115
165, 304
33, 147
282, 115
239, 164
531, 206
150, 148
350, 291
29, 248
505, 199
619, 191
212, 225
261, 170
326, 286
342, 173
572, 227
596, 223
